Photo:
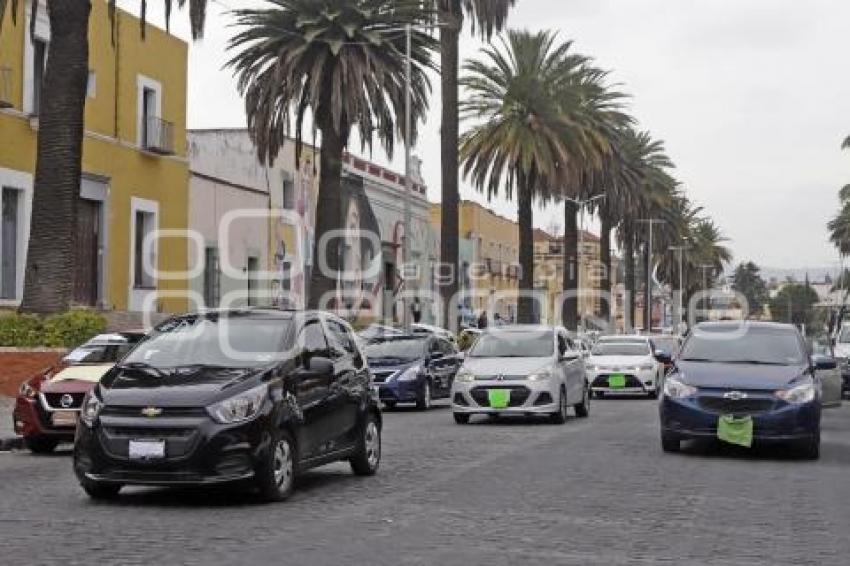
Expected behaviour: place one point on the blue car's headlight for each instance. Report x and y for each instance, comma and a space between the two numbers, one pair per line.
676, 389
805, 393
410, 374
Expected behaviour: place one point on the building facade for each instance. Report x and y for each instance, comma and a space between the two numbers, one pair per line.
135, 171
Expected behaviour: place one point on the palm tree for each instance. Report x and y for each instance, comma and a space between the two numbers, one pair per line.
341, 61
51, 252
522, 139
488, 17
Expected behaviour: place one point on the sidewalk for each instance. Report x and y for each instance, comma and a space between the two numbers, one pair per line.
8, 439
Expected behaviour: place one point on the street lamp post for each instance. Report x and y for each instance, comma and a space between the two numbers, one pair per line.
408, 182
681, 251
647, 308
582, 205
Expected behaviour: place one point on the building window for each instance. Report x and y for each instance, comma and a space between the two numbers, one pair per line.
288, 193
212, 278
39, 64
145, 223
252, 268
91, 86
149, 112
9, 222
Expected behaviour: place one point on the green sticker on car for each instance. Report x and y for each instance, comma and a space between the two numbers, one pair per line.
617, 381
734, 430
499, 398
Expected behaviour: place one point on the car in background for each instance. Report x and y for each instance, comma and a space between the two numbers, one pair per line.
744, 383
522, 370
842, 356
252, 396
412, 368
429, 329
48, 405
624, 365
666, 348
374, 331
832, 384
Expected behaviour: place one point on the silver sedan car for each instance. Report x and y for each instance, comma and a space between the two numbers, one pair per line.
522, 370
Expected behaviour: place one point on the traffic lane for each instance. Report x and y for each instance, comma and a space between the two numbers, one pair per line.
592, 491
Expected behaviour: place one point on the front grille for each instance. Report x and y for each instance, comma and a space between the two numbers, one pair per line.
124, 411
602, 381
519, 395
144, 432
720, 405
500, 377
54, 400
179, 441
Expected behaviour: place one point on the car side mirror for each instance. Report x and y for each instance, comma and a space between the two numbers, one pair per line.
319, 366
823, 363
662, 357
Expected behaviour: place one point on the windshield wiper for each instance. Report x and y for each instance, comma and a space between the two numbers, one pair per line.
697, 360
756, 362
144, 367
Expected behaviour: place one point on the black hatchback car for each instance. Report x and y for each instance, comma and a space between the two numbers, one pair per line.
253, 396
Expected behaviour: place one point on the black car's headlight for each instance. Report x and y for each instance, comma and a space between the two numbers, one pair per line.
677, 389
241, 407
91, 408
804, 393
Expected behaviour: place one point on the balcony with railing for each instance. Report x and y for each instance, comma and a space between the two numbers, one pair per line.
158, 136
5, 87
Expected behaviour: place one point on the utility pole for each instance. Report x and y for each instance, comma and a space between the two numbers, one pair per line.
582, 204
408, 182
647, 318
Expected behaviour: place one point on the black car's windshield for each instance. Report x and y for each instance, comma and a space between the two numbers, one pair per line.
231, 342
510, 344
99, 353
402, 349
621, 349
744, 344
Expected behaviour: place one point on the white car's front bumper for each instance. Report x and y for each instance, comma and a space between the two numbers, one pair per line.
526, 398
637, 382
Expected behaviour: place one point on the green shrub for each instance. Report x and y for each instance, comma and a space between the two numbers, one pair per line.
66, 330
20, 331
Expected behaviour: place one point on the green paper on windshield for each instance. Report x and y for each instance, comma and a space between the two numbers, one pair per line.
499, 398
735, 431
617, 381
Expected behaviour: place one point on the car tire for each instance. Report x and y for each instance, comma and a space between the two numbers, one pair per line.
461, 418
670, 442
583, 408
41, 444
560, 417
810, 449
275, 477
368, 457
99, 491
423, 403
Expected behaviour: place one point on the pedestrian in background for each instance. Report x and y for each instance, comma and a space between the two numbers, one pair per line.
416, 310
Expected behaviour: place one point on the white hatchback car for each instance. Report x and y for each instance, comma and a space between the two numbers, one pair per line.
625, 364
521, 370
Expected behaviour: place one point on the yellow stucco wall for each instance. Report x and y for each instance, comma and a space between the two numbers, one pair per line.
110, 147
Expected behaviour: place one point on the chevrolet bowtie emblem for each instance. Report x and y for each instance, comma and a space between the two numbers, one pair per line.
735, 395
151, 412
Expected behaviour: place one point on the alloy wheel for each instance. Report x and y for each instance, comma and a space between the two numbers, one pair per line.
372, 442
283, 464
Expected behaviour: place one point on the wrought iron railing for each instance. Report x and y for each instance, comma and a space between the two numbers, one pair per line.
158, 136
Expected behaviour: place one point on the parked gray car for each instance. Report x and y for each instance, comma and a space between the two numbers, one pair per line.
522, 370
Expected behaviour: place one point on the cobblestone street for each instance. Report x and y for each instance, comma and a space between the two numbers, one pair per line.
597, 491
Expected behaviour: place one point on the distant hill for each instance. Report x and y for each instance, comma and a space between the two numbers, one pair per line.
799, 273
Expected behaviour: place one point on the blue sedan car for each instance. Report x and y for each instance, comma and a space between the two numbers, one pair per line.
412, 368
744, 383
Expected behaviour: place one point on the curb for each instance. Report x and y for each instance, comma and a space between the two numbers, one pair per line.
11, 443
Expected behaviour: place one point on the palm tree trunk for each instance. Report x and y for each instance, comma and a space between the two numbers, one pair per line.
571, 265
525, 214
631, 283
605, 256
449, 224
49, 275
328, 218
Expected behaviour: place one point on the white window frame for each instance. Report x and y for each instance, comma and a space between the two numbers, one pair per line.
139, 298
23, 182
142, 83
42, 32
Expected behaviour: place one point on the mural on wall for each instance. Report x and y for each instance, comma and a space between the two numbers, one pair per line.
361, 258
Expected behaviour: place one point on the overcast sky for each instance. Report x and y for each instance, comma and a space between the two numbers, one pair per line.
752, 98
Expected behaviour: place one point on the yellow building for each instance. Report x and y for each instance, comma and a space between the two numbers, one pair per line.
135, 171
489, 259
549, 275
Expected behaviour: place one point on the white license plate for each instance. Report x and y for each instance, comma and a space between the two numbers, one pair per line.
147, 449
65, 418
